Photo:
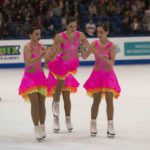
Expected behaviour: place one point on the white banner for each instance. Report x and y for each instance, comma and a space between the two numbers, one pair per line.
131, 48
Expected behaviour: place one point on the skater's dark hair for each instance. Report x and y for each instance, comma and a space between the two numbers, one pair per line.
71, 19
33, 28
104, 26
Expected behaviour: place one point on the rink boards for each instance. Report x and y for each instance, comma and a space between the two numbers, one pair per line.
131, 50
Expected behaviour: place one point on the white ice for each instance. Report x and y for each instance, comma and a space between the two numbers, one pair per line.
132, 115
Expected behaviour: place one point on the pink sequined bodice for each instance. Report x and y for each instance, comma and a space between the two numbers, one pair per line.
99, 63
70, 49
36, 66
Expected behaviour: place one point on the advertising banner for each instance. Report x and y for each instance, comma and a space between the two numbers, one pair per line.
131, 48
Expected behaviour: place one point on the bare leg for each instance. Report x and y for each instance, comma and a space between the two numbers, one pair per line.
58, 90
110, 113
94, 113
56, 97
67, 102
42, 110
67, 107
34, 108
110, 106
55, 104
95, 105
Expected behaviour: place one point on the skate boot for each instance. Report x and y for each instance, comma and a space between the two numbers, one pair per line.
37, 133
55, 108
42, 129
69, 124
93, 127
56, 125
110, 129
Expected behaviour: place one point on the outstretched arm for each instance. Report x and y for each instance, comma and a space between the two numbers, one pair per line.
85, 52
90, 48
54, 49
85, 46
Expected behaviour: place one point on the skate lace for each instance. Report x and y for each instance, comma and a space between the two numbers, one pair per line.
37, 132
57, 119
42, 129
94, 125
111, 128
56, 106
68, 120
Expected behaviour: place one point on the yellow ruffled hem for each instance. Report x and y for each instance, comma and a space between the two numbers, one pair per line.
103, 90
71, 89
37, 89
64, 76
51, 92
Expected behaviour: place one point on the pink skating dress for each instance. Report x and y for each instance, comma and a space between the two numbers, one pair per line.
102, 78
67, 61
70, 84
34, 79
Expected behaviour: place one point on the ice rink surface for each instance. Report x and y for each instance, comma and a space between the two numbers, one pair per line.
131, 119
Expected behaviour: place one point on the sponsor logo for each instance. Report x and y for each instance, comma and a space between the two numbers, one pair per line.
10, 52
137, 48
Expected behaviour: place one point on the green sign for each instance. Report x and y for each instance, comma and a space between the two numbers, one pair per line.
10, 50
137, 48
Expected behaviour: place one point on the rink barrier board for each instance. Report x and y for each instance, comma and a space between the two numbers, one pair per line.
130, 50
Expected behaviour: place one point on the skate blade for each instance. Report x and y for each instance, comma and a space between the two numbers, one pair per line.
56, 130
43, 138
39, 139
70, 130
110, 135
56, 115
93, 134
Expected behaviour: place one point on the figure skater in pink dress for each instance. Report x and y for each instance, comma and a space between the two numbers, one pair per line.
102, 80
65, 47
33, 85
70, 86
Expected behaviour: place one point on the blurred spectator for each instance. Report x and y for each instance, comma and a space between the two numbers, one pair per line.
146, 20
3, 27
110, 8
135, 25
90, 28
63, 21
117, 10
125, 17
126, 23
57, 8
92, 9
48, 22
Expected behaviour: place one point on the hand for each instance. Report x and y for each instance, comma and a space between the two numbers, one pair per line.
107, 60
93, 50
43, 52
46, 62
51, 58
